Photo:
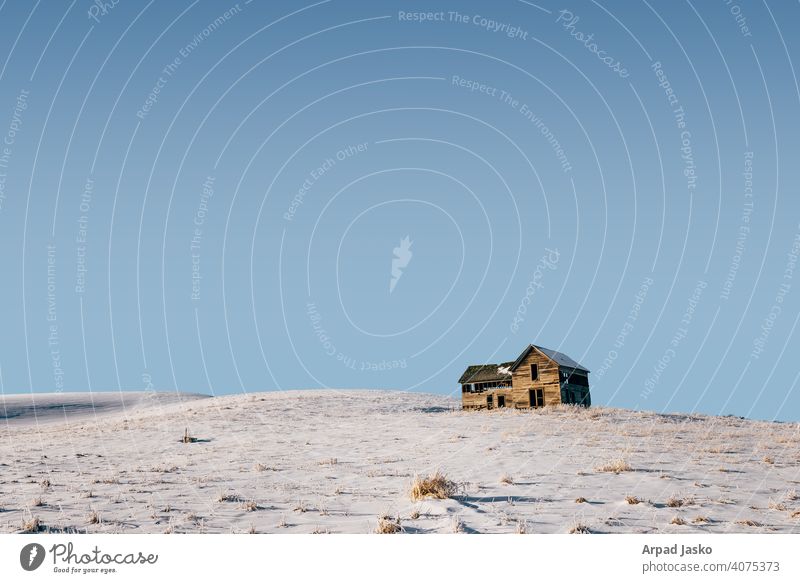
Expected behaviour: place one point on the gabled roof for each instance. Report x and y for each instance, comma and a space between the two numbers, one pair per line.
558, 357
482, 373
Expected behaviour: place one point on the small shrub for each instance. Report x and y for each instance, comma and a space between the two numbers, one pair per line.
580, 500
522, 527
414, 514
93, 518
700, 519
579, 528
632, 500
748, 523
768, 460
677, 520
506, 479
437, 485
36, 502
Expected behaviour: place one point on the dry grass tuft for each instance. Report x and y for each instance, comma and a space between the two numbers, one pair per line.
768, 460
506, 479
700, 519
456, 525
36, 502
437, 485
388, 524
111, 480
777, 506
632, 500
615, 466
250, 505
579, 528
228, 497
748, 523
580, 500
796, 514
94, 517
414, 514
45, 484
676, 501
522, 527
677, 520
32, 525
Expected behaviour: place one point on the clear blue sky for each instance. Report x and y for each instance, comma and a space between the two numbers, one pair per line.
213, 196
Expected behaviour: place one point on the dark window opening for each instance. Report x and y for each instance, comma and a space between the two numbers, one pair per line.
501, 401
536, 397
578, 379
534, 372
489, 401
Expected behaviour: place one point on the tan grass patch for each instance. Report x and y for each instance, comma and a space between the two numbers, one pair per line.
436, 485
615, 466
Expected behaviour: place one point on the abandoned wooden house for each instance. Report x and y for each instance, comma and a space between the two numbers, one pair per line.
539, 377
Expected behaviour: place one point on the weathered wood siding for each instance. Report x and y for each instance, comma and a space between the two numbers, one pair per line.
478, 400
548, 380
